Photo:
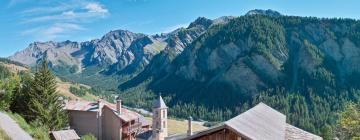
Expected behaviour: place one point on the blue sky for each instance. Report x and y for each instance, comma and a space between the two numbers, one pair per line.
26, 21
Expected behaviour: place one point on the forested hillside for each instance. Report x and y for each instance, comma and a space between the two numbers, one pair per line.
306, 67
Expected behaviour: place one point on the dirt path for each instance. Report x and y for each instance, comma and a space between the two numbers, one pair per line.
12, 129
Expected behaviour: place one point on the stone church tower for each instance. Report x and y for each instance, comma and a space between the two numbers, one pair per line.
159, 126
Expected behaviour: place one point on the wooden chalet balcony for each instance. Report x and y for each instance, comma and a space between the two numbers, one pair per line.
133, 128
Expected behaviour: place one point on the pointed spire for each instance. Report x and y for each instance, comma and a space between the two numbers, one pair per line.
118, 98
159, 103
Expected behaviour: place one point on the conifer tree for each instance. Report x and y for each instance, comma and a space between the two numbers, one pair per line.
21, 97
7, 88
45, 106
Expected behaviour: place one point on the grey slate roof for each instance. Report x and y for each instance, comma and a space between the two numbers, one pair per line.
118, 98
126, 114
159, 103
197, 133
260, 122
294, 133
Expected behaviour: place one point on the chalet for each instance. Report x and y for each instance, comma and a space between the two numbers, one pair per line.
105, 121
258, 123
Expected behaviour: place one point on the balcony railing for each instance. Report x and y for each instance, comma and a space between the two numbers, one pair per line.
132, 128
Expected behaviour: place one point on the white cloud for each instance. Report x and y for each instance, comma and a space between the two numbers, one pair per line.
60, 28
68, 16
61, 18
95, 8
53, 31
48, 9
76, 10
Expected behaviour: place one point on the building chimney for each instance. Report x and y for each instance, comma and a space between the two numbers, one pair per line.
99, 120
118, 105
100, 105
190, 131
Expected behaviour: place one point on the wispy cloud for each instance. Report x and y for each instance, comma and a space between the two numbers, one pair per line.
56, 20
95, 8
69, 16
53, 31
47, 9
88, 11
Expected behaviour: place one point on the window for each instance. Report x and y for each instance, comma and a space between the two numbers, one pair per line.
163, 113
164, 124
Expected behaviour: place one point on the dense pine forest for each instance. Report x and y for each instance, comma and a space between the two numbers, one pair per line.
311, 72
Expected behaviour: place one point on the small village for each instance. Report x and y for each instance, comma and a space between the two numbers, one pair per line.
113, 122
179, 70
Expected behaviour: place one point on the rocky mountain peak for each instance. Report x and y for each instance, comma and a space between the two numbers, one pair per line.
121, 34
268, 12
201, 22
223, 19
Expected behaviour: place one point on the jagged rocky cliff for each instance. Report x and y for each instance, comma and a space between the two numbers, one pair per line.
119, 52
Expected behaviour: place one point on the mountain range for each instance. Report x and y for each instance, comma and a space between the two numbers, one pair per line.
220, 63
119, 52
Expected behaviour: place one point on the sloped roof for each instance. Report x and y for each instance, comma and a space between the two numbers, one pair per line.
81, 106
197, 133
118, 98
126, 115
294, 133
65, 135
260, 122
159, 103
144, 121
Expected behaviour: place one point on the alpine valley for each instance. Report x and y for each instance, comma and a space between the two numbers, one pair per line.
305, 67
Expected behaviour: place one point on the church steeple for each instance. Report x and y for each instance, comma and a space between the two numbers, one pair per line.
159, 125
159, 103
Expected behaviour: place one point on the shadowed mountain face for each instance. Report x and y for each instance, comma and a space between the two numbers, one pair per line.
252, 53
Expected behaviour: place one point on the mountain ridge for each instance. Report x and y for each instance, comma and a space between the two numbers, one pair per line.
215, 69
118, 52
